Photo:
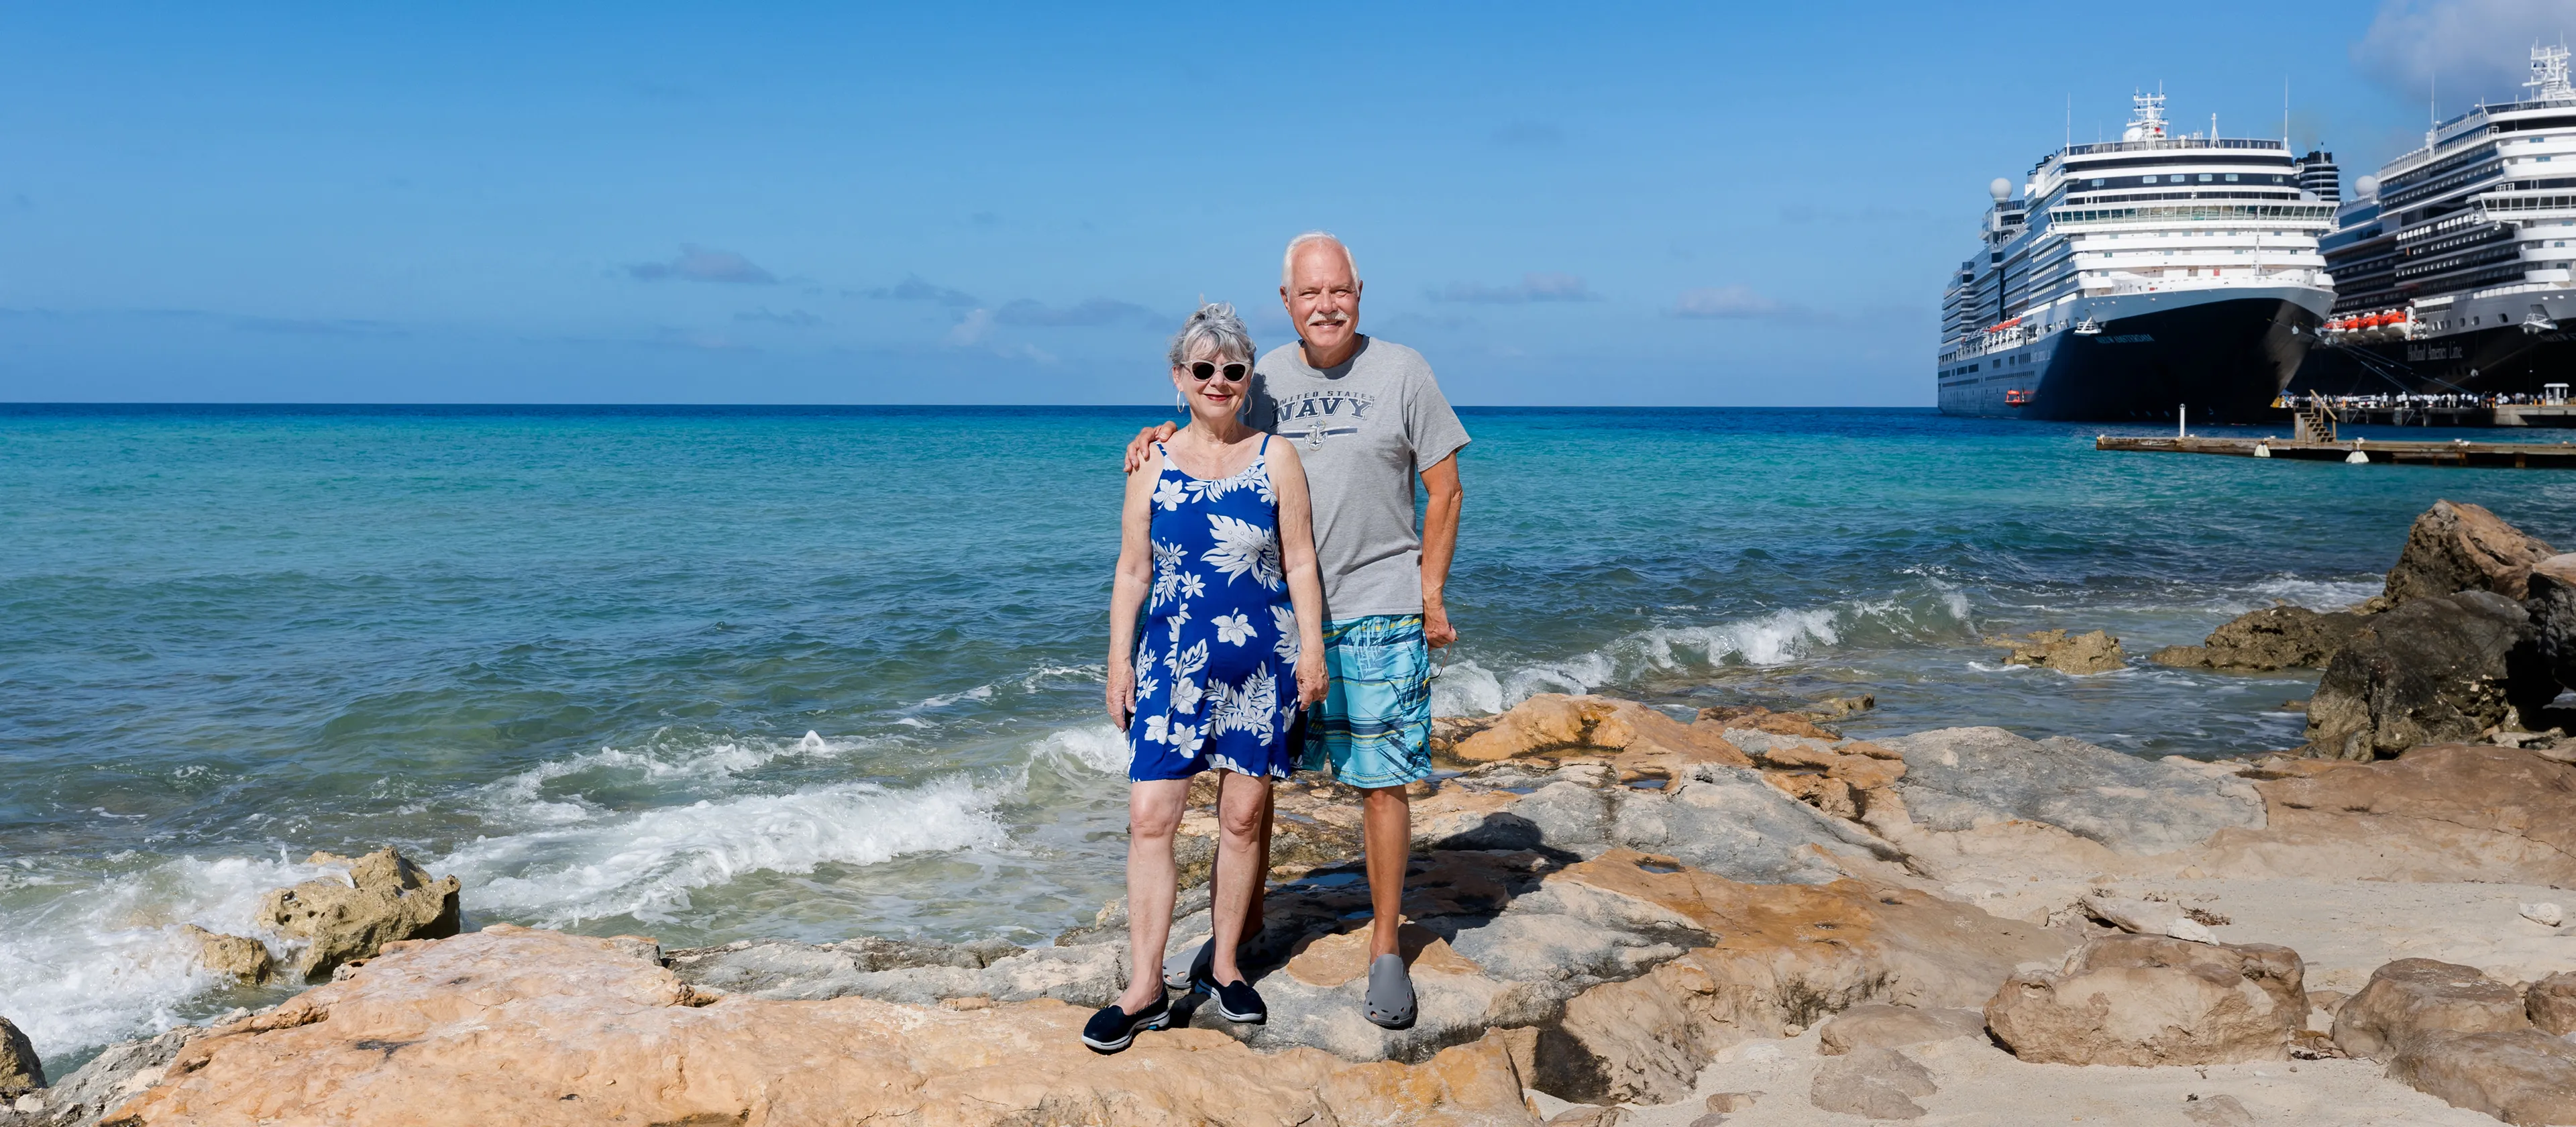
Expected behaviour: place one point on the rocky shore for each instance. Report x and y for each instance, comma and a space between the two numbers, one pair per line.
1621, 915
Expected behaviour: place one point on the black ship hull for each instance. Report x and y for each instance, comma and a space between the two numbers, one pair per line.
2225, 361
2505, 360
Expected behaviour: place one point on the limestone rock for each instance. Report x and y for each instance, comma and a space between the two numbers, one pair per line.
2552, 604
387, 899
2455, 547
2149, 1000
2519, 1076
1879, 1026
2415, 1000
559, 1029
1774, 956
114, 1076
20, 1071
2545, 914
1960, 778
2282, 637
1759, 719
905, 971
1723, 819
2439, 667
2551, 1003
2450, 812
1553, 722
1832, 708
2095, 652
2147, 917
245, 960
1873, 1084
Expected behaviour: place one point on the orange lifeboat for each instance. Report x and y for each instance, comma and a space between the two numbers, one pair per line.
2016, 398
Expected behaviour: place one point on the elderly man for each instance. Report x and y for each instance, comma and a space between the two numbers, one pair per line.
1368, 419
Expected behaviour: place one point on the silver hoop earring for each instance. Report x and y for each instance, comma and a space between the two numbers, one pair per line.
1180, 402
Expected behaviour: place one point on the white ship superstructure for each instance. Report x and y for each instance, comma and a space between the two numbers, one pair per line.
2132, 278
2454, 263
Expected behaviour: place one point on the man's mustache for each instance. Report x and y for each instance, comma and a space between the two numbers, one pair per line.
1326, 317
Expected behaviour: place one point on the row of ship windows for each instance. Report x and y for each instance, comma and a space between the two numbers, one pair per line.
2177, 178
2022, 360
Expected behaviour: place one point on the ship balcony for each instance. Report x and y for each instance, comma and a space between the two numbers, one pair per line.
2555, 276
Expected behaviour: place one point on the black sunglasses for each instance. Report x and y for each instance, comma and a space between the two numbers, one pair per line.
1203, 371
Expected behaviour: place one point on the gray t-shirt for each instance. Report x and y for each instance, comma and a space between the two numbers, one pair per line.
1364, 428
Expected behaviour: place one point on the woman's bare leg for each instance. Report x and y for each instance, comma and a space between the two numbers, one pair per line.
1153, 814
1242, 801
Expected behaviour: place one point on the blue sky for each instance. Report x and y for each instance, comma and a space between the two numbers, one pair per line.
1627, 204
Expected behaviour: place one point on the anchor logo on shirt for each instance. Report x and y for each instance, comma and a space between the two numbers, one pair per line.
1322, 409
1315, 434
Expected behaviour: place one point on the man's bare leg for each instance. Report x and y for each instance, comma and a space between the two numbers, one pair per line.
1386, 824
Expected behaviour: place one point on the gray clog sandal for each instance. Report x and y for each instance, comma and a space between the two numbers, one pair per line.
1390, 993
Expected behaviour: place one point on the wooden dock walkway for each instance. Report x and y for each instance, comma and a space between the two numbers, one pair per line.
2457, 452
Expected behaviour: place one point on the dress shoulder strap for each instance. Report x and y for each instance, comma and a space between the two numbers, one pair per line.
1265, 444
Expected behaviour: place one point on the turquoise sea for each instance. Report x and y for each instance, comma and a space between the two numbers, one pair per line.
709, 673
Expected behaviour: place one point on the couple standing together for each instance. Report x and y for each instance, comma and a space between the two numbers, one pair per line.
1274, 610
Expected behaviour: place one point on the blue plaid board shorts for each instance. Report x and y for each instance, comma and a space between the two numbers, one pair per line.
1373, 728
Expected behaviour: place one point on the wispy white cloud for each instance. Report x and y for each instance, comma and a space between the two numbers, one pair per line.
1536, 286
703, 264
1727, 302
2474, 49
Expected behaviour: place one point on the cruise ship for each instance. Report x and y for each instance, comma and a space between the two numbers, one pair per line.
2452, 264
2144, 278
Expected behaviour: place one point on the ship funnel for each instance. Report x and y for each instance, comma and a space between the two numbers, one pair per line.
2000, 189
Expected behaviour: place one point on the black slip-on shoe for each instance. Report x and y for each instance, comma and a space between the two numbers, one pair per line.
1238, 1001
1201, 977
1113, 1029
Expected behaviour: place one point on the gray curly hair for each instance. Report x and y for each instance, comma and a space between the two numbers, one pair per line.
1213, 326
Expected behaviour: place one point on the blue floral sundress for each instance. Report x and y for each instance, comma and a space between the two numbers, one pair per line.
1216, 663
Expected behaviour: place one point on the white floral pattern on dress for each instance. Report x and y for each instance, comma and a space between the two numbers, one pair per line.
1242, 549
1218, 693
1283, 620
1169, 559
1232, 629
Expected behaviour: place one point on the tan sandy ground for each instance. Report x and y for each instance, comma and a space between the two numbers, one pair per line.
1983, 1086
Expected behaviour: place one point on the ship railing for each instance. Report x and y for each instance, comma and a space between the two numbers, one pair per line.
2174, 143
2320, 215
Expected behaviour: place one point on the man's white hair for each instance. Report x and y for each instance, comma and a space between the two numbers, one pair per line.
1288, 261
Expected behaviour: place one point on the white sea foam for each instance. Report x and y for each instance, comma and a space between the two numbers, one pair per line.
1464, 688
520, 798
99, 962
2316, 594
646, 863
1780, 637
979, 692
1092, 747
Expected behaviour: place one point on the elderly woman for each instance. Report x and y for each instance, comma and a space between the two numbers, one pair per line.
1218, 552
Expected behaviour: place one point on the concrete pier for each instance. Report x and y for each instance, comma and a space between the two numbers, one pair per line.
2457, 452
